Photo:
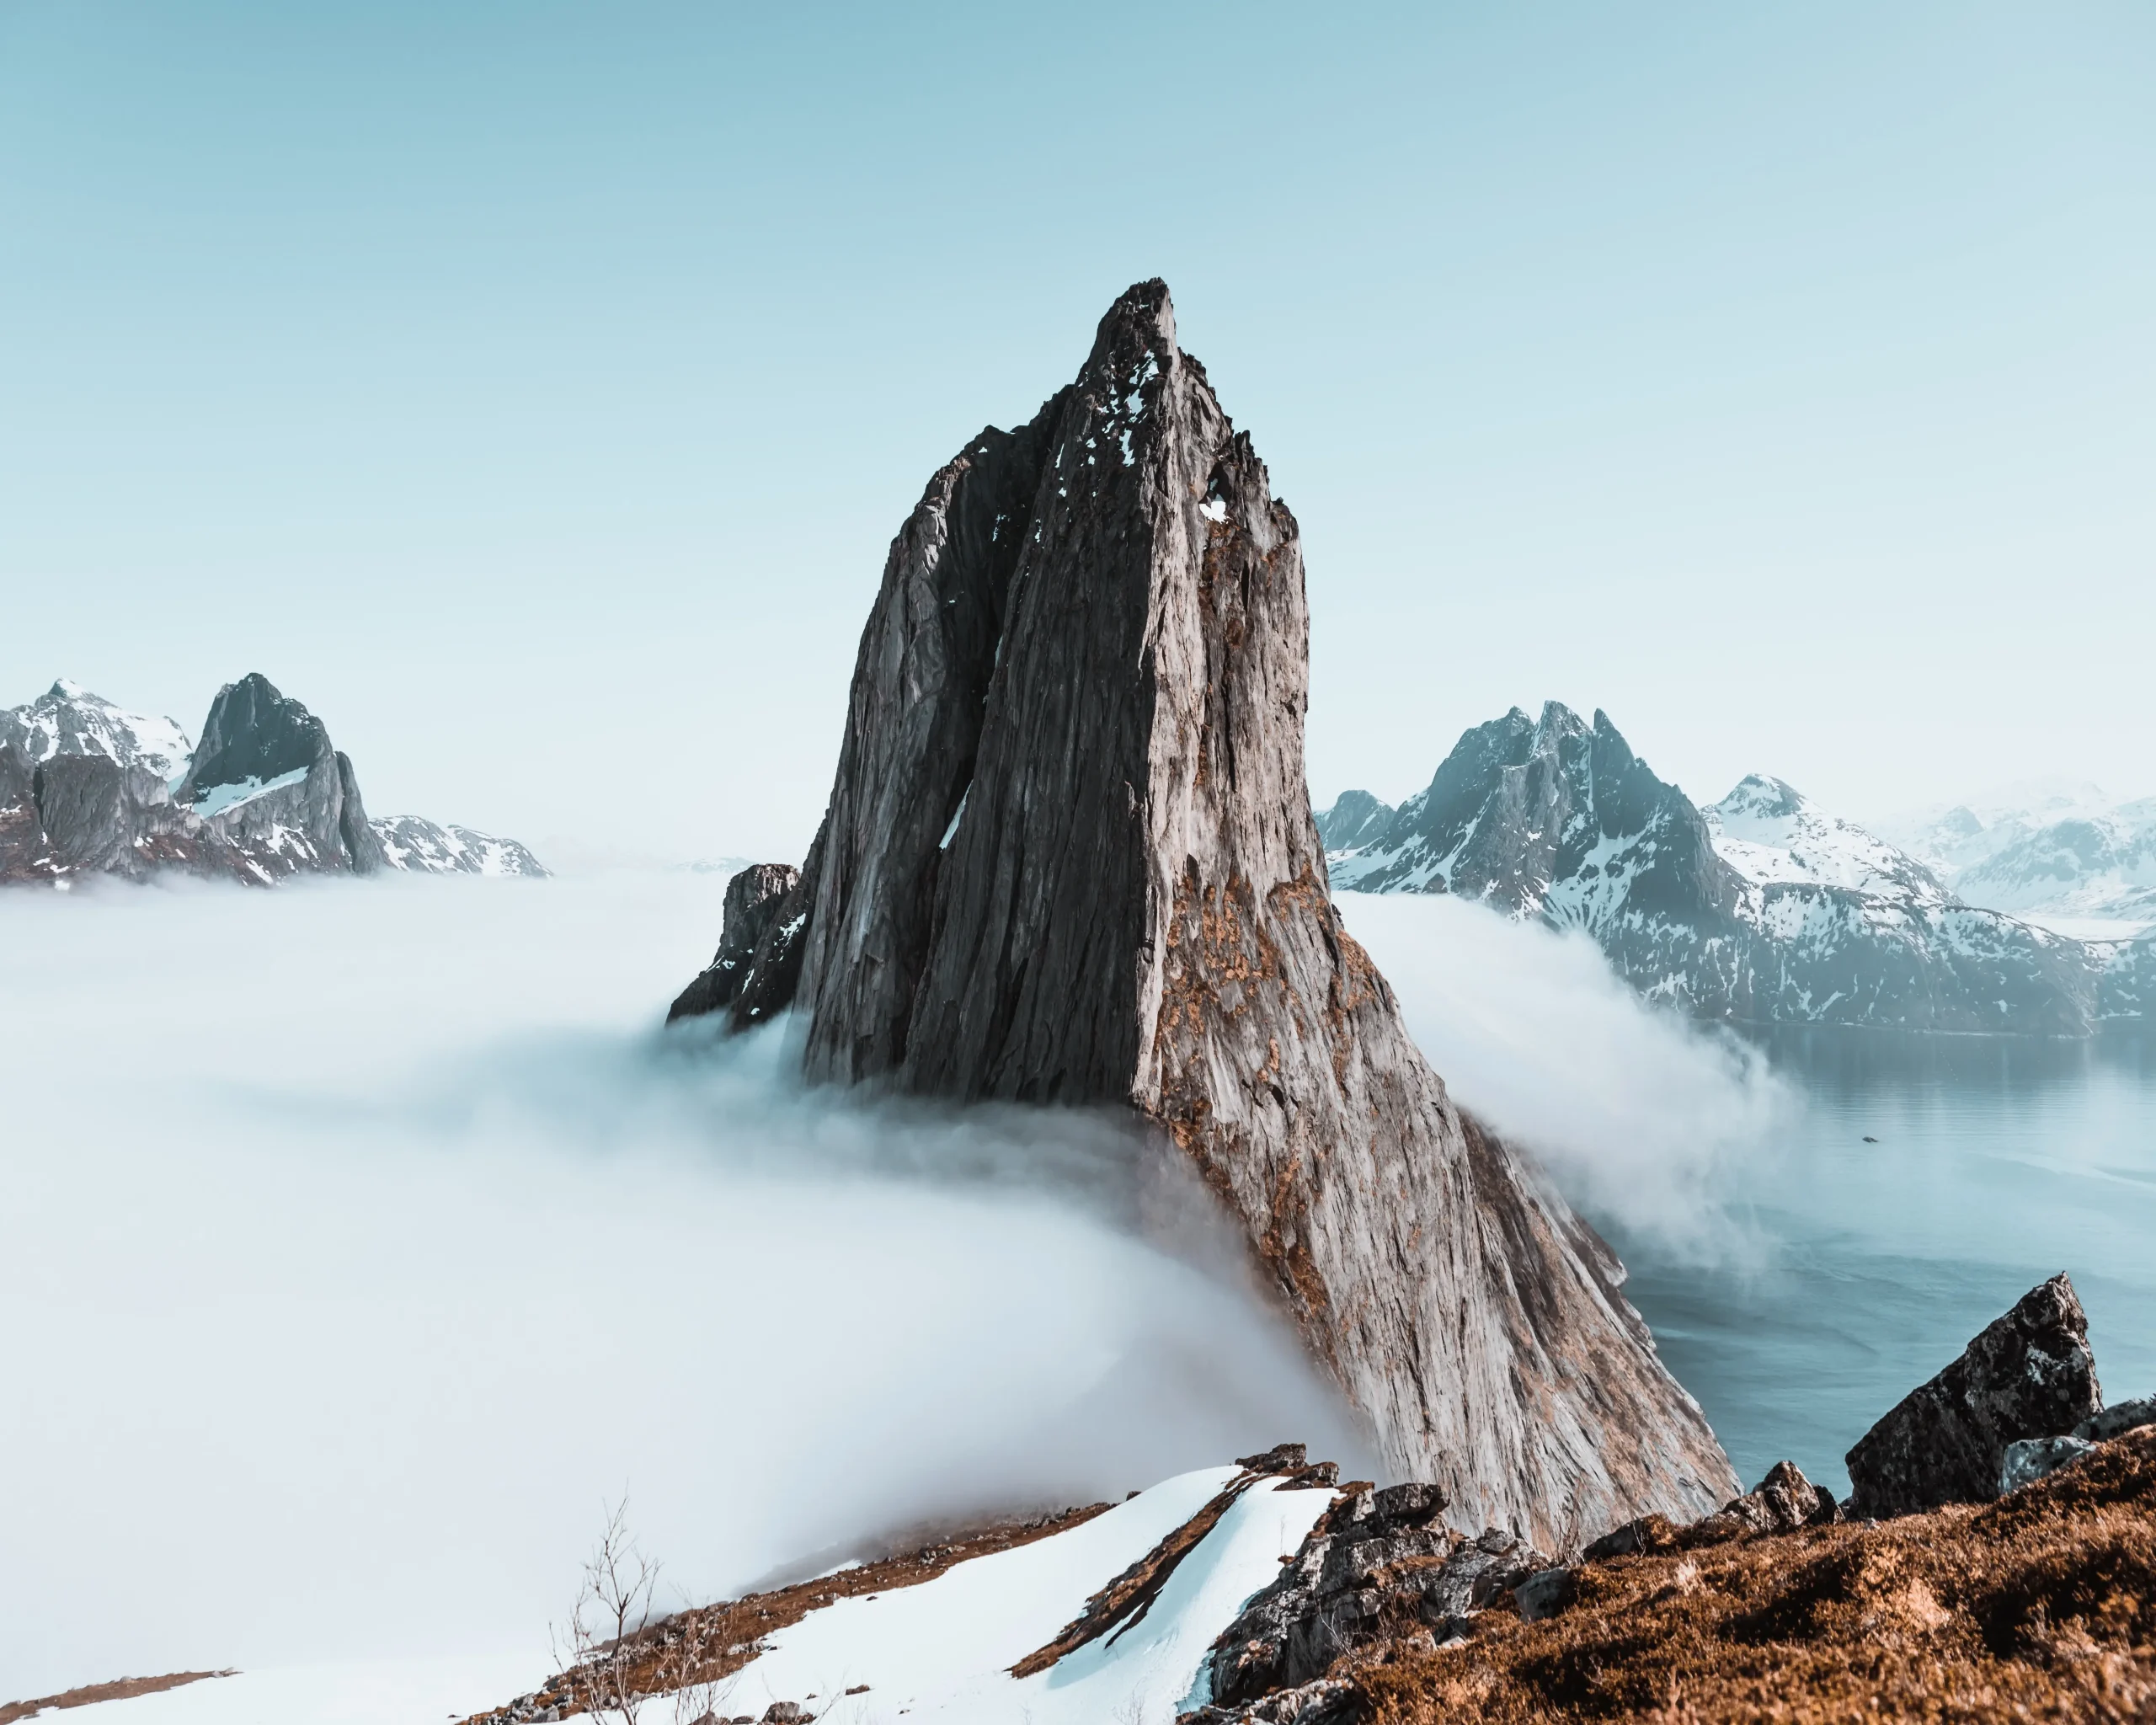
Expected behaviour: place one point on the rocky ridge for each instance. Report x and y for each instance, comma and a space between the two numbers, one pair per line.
1761, 909
88, 788
1068, 858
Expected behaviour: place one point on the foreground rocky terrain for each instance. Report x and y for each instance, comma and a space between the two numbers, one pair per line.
1068, 858
1999, 1561
87, 789
1761, 908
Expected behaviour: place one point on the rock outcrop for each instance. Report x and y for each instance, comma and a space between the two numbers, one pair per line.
1069, 857
266, 778
1381, 1564
1761, 908
2030, 1374
762, 902
88, 788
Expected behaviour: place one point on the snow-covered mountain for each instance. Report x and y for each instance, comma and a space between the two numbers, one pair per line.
2059, 853
68, 719
88, 788
1762, 907
411, 841
1769, 831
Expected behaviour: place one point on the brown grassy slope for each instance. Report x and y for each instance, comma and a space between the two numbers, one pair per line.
123, 1690
2040, 1606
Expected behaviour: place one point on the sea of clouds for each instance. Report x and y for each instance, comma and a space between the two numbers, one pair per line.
365, 1239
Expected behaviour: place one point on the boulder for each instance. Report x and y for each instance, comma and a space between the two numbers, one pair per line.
1068, 858
2030, 1459
2029, 1374
1781, 1503
1378, 1563
1545, 1592
1643, 1534
2117, 1420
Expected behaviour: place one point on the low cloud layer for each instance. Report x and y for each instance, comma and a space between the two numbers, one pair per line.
1636, 1111
364, 1238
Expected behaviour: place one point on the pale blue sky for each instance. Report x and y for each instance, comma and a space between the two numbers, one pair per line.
533, 388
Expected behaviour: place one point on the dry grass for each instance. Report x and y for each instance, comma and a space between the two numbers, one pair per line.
126, 1689
2040, 1606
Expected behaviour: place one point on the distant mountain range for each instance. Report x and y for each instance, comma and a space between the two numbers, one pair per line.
2060, 853
88, 788
1761, 908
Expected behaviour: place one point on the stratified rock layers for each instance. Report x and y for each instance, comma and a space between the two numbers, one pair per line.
1069, 857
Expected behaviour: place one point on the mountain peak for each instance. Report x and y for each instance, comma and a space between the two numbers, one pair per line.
1144, 308
1069, 857
1761, 795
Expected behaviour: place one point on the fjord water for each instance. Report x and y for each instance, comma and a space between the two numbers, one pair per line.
1868, 1265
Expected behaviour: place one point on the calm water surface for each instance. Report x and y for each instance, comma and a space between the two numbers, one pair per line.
1998, 1164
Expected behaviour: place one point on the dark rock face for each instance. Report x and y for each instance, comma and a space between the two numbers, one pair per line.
25, 854
83, 806
756, 906
266, 778
2029, 1374
1556, 819
1379, 1563
1069, 857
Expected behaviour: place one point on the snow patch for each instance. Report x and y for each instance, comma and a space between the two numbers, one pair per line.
220, 799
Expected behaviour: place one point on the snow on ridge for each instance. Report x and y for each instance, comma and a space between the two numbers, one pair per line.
1770, 832
418, 845
943, 1650
2057, 852
68, 719
222, 799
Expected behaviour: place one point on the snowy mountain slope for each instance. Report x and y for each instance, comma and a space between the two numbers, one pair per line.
943, 1651
2060, 852
68, 719
1770, 832
377, 1692
1950, 838
423, 847
89, 788
2094, 868
1761, 908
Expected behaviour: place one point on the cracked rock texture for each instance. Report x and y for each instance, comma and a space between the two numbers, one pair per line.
1069, 857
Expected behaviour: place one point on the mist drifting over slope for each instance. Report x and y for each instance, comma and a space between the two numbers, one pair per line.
1636, 1110
366, 1236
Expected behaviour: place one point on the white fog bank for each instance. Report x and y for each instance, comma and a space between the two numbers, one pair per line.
363, 1238
1635, 1111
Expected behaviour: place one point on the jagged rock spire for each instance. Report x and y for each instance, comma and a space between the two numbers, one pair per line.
1069, 857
